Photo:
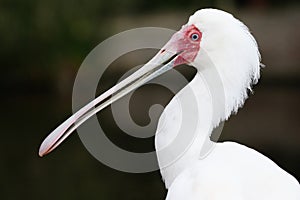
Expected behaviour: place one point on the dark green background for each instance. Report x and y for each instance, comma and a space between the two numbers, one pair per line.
42, 44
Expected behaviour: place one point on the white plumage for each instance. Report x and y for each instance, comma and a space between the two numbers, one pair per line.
234, 172
227, 60
230, 171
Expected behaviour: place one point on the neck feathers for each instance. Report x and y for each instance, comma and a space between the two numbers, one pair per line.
228, 64
231, 52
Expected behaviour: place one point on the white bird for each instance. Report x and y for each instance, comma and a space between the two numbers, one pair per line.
212, 41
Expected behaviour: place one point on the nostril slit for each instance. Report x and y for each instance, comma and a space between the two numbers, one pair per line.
163, 51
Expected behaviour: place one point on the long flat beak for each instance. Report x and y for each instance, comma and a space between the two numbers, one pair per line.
160, 63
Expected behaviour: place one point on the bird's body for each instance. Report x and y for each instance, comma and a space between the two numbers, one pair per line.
193, 167
234, 172
229, 170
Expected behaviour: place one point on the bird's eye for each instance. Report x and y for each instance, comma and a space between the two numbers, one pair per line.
194, 36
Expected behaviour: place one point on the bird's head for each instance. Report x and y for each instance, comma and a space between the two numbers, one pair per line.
185, 44
211, 38
215, 39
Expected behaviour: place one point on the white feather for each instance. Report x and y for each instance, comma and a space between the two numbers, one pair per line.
230, 171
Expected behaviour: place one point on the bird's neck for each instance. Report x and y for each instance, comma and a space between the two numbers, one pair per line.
184, 128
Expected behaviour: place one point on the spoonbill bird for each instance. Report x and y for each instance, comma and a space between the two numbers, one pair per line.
231, 170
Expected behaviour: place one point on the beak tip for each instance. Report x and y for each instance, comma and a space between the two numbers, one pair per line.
43, 151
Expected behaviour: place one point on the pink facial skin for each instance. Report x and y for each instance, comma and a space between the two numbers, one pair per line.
186, 43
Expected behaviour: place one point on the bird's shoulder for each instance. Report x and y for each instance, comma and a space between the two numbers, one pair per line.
235, 171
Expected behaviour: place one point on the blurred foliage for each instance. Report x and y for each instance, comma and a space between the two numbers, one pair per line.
36, 33
38, 37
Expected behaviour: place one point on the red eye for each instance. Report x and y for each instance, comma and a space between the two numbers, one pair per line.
195, 36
